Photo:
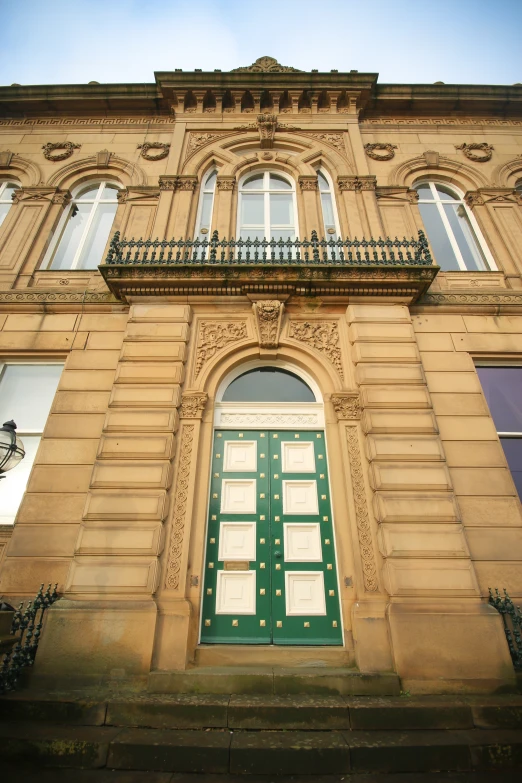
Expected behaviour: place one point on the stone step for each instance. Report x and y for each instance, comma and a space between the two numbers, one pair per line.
268, 655
275, 680
262, 712
277, 753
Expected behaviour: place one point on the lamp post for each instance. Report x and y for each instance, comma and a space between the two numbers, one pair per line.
11, 448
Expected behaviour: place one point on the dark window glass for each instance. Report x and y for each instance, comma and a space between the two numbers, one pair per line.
502, 388
513, 451
268, 384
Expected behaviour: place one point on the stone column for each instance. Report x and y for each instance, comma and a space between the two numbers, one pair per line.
312, 218
442, 633
105, 625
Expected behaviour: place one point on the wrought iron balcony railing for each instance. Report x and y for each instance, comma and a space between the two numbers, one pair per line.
270, 252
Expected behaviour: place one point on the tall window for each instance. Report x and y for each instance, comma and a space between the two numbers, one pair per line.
85, 227
6, 193
502, 387
206, 204
452, 230
267, 207
26, 395
330, 222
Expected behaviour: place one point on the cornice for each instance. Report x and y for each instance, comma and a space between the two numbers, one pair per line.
30, 296
490, 303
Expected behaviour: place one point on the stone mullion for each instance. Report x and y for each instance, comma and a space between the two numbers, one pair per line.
223, 207
179, 220
310, 205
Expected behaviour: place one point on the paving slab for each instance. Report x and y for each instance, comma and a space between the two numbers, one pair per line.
170, 751
288, 712
184, 711
56, 746
408, 714
288, 752
334, 681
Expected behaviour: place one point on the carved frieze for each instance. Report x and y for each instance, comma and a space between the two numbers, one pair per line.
180, 508
162, 150
334, 139
269, 314
323, 336
214, 335
50, 150
347, 405
167, 183
362, 518
470, 151
193, 404
380, 151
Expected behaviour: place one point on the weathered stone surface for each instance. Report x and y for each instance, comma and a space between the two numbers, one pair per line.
56, 746
173, 751
286, 753
287, 712
177, 712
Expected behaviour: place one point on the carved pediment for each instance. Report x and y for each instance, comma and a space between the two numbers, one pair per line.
266, 65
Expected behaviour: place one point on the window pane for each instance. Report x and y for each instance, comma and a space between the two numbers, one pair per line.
252, 209
445, 193
26, 394
513, 451
328, 215
279, 183
12, 487
89, 194
211, 181
92, 253
502, 387
424, 191
206, 209
268, 384
254, 183
252, 233
282, 233
281, 212
71, 237
7, 192
464, 235
110, 192
323, 182
444, 255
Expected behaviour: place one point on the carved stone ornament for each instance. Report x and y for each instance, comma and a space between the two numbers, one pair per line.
49, 150
474, 199
154, 145
357, 183
167, 183
308, 182
267, 125
321, 335
225, 183
432, 158
180, 507
334, 139
347, 405
364, 532
380, 151
41, 193
5, 159
102, 159
269, 314
485, 150
214, 335
197, 140
193, 404
186, 182
266, 65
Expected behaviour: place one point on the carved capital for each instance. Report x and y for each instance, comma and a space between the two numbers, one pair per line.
347, 405
62, 197
122, 196
380, 151
357, 183
308, 182
193, 404
484, 150
167, 183
269, 315
474, 199
187, 182
225, 183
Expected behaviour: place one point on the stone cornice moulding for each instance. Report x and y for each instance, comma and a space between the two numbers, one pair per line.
482, 196
29, 297
451, 122
507, 302
41, 193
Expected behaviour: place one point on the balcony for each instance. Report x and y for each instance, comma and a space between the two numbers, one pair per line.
317, 267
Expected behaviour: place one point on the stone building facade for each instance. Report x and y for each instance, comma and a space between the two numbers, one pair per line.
119, 379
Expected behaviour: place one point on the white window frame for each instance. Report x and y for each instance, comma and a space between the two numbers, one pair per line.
60, 230
206, 191
490, 265
3, 200
331, 191
266, 206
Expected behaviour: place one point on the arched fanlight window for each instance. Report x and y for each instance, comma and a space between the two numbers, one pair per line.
206, 205
330, 219
267, 207
268, 384
6, 193
453, 232
85, 227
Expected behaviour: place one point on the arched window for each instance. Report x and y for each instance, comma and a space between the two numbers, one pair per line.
84, 229
453, 232
330, 220
6, 192
268, 384
206, 205
267, 207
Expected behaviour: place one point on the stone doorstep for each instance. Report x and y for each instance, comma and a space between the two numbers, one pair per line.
274, 753
258, 712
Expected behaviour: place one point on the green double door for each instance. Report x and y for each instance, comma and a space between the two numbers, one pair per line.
270, 570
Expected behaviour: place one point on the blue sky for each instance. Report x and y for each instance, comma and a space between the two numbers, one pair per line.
66, 41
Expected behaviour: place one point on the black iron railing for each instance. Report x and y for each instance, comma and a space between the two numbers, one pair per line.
26, 627
512, 618
271, 252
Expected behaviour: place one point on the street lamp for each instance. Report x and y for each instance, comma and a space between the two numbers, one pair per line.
11, 448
